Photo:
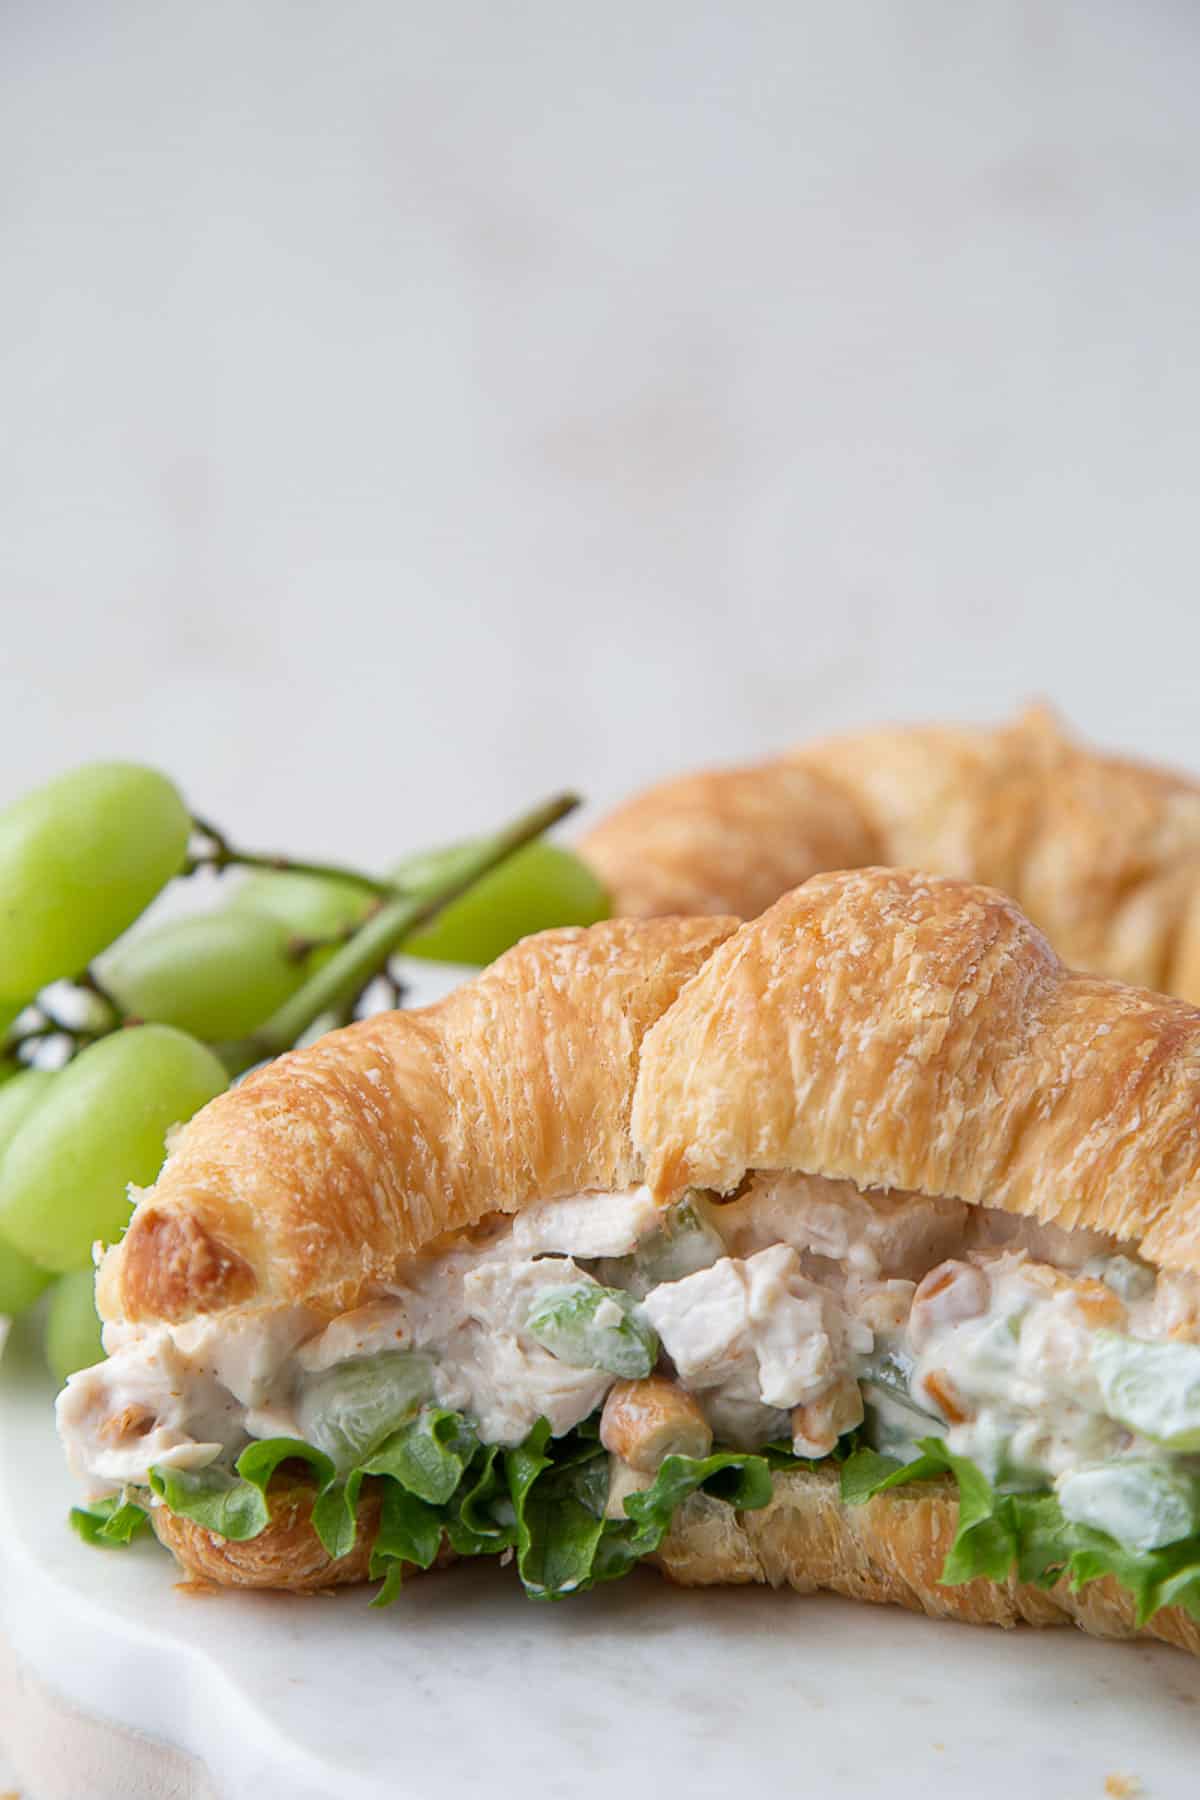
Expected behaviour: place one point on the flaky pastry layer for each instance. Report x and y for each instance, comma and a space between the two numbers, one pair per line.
889, 1551
892, 1029
1103, 853
905, 1032
287, 1556
314, 1177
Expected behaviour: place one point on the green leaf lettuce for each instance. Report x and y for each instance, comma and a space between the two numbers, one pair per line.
1027, 1534
544, 1502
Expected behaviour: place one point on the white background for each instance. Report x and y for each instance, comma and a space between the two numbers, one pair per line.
408, 408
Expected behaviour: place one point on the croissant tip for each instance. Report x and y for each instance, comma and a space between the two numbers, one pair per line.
171, 1267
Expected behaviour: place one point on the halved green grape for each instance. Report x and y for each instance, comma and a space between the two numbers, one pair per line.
80, 858
540, 886
350, 1409
1152, 1387
311, 906
1143, 1504
594, 1327
64, 1177
72, 1324
685, 1242
217, 975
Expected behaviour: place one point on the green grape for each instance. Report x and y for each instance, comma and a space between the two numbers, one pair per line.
18, 1098
21, 1281
73, 1324
311, 906
540, 886
218, 975
594, 1327
685, 1242
64, 1176
1145, 1505
9, 1010
1152, 1387
79, 859
349, 1410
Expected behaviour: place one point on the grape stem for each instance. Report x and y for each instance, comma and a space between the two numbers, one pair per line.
218, 854
381, 934
299, 949
48, 1023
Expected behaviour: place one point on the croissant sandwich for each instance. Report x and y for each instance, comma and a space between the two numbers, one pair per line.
1101, 852
854, 1248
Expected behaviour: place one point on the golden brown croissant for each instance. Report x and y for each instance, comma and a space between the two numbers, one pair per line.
891, 1552
1102, 853
886, 1036
914, 1033
312, 1178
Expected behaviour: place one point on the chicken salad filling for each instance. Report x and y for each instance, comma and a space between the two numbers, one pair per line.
634, 1354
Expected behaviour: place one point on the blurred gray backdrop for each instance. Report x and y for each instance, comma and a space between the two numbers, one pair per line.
405, 409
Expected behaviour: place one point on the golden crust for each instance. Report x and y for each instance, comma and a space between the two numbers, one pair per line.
889, 1551
311, 1179
1103, 853
907, 1032
728, 840
287, 1555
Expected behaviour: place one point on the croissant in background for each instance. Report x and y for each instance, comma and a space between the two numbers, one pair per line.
743, 1251
1101, 852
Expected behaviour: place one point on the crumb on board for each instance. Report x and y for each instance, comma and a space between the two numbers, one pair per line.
1122, 1787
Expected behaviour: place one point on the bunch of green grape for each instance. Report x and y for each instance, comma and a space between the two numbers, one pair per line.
80, 861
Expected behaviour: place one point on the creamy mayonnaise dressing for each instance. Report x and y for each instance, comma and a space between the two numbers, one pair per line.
1012, 1365
245, 1375
958, 1321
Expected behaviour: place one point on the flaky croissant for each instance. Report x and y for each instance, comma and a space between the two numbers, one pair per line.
890, 1551
314, 1177
913, 1033
874, 1028
1101, 852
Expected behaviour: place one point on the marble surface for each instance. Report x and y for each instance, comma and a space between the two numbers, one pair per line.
634, 1689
